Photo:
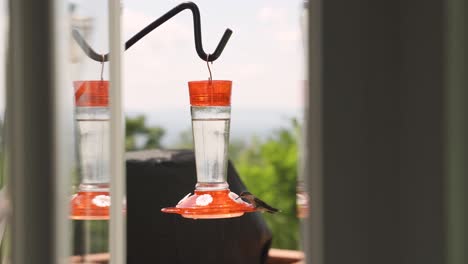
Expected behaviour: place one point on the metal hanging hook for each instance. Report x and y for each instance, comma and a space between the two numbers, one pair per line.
196, 32
102, 68
208, 65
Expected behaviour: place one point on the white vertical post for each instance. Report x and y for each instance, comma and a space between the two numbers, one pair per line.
314, 223
117, 244
63, 133
39, 125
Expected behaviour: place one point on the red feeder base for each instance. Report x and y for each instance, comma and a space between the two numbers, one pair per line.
211, 205
90, 206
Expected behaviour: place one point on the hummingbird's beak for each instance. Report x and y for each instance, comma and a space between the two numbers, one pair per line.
238, 197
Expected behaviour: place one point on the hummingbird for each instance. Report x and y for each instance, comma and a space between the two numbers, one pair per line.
257, 203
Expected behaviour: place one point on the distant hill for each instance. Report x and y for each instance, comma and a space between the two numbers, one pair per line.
245, 122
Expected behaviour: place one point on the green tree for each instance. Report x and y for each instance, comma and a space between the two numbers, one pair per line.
269, 170
185, 139
140, 136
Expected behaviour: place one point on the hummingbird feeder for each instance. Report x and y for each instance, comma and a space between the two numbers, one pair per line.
211, 114
92, 201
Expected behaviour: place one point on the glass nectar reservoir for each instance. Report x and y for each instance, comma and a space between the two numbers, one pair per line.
211, 114
92, 200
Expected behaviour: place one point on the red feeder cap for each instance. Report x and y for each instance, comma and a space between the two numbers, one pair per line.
91, 93
210, 93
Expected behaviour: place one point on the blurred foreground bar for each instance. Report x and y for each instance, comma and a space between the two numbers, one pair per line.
388, 122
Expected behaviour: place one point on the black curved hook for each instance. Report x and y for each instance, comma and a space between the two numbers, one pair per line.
196, 27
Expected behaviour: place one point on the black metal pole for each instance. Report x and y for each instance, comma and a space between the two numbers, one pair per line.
145, 31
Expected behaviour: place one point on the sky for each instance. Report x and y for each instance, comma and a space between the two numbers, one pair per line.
263, 58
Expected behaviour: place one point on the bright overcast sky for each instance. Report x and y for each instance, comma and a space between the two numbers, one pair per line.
264, 56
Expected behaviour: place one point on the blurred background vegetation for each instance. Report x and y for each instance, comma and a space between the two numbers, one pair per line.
268, 167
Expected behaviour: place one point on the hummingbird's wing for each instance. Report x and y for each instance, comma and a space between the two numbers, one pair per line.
261, 204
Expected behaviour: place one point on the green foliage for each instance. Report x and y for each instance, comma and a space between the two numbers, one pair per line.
269, 170
90, 236
185, 139
136, 128
236, 148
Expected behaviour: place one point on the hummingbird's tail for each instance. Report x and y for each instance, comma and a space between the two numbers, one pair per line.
264, 207
271, 210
